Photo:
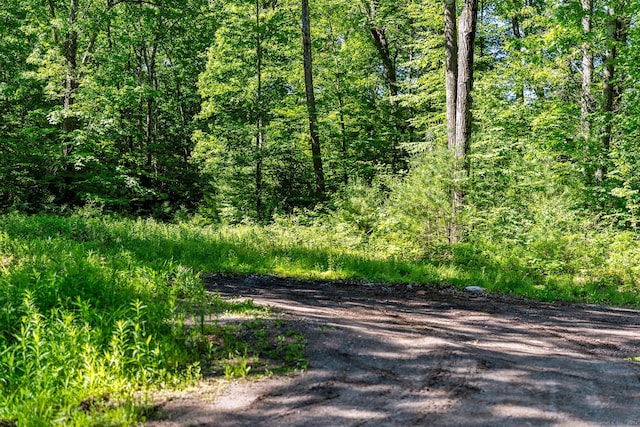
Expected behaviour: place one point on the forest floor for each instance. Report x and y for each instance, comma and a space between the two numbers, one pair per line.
400, 355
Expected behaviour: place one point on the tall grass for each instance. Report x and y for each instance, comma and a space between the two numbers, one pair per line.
84, 322
88, 306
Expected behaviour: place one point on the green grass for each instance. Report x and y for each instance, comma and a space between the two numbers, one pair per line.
95, 310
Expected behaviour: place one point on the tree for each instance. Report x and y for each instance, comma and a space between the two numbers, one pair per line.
381, 42
462, 68
363, 126
615, 35
102, 68
451, 69
586, 105
311, 102
466, 42
252, 146
28, 141
389, 57
259, 115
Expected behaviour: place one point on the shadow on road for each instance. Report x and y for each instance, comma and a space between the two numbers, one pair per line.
427, 356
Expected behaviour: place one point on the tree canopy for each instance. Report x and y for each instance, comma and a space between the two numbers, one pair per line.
159, 107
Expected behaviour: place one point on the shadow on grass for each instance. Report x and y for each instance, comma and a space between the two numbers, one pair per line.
243, 249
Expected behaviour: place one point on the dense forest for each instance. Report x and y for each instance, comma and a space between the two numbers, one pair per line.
142, 142
217, 108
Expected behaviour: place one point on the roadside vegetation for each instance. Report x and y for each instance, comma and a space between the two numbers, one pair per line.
96, 313
97, 310
144, 144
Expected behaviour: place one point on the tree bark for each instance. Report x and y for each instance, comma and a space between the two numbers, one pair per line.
340, 98
586, 105
615, 34
150, 123
515, 26
311, 102
451, 58
451, 85
71, 69
52, 14
381, 42
466, 38
259, 120
70, 54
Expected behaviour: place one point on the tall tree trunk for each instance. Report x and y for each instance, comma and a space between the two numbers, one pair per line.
451, 70
518, 34
381, 43
71, 70
451, 58
466, 38
70, 53
259, 121
586, 105
149, 58
311, 102
615, 34
52, 14
515, 26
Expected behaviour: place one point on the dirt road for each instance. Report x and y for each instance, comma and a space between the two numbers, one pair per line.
422, 356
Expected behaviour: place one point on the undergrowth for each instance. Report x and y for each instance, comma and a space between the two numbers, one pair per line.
94, 311
97, 313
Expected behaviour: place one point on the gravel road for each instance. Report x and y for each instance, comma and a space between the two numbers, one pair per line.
427, 356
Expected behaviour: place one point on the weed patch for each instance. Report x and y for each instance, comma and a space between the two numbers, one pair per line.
260, 346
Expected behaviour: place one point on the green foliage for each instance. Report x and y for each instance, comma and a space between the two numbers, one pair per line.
84, 324
359, 206
252, 148
262, 346
58, 366
155, 108
117, 141
93, 311
101, 308
419, 208
162, 109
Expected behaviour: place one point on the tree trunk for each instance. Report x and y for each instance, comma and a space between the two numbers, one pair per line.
466, 39
586, 106
451, 55
518, 34
71, 70
340, 98
615, 34
52, 14
311, 102
149, 58
381, 43
259, 121
70, 53
451, 70
515, 26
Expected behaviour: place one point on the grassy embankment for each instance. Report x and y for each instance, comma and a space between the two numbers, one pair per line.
93, 310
